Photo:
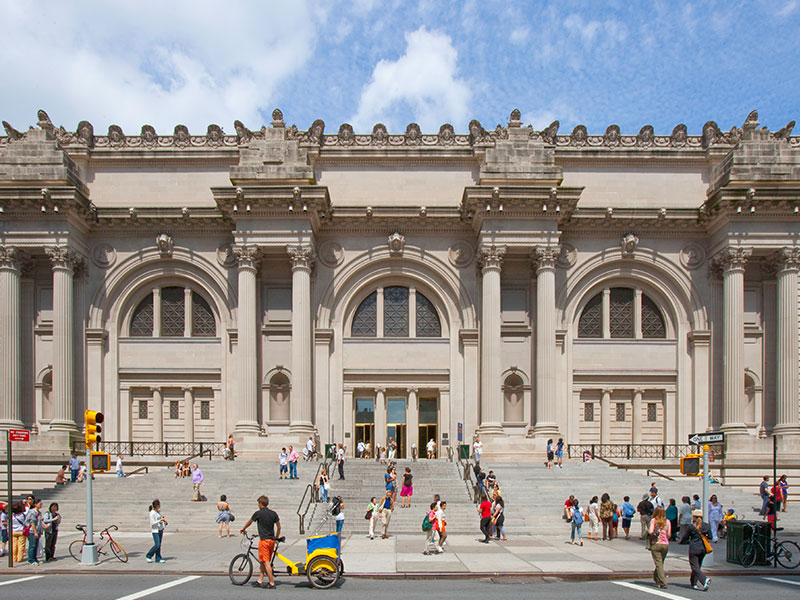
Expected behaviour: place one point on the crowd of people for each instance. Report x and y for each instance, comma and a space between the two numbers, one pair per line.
33, 531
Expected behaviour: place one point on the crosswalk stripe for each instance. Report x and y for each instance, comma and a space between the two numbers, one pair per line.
655, 592
779, 580
21, 579
158, 588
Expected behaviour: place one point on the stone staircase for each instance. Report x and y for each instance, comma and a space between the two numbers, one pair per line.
364, 479
534, 496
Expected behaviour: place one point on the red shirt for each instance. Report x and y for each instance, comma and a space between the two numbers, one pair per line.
486, 509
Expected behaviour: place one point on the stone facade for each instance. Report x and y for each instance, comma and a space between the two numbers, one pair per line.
511, 283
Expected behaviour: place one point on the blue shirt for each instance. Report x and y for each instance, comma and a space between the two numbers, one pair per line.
628, 510
74, 464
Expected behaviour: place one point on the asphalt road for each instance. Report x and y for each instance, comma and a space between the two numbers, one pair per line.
31, 586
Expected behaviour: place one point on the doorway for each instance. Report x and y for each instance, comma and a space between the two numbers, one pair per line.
396, 423
365, 423
428, 429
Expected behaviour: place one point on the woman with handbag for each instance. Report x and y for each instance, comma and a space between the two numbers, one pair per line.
699, 546
19, 531
157, 525
660, 532
224, 516
324, 486
370, 516
51, 522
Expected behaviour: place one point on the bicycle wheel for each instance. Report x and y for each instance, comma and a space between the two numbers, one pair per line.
341, 567
240, 569
788, 554
749, 554
322, 572
119, 551
76, 549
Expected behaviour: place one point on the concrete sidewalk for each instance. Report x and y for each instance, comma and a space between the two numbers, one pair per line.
401, 554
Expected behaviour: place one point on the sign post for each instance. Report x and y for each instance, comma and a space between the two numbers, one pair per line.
12, 435
709, 559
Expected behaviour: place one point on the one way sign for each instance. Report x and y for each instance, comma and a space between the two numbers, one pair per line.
710, 437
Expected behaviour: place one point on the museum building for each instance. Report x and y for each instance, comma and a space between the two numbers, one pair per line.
515, 284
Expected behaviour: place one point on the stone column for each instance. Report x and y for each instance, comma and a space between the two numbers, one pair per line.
546, 393
733, 261
187, 312
605, 417
380, 418
302, 258
412, 421
188, 418
64, 261
636, 420
490, 260
787, 419
10, 366
158, 414
247, 424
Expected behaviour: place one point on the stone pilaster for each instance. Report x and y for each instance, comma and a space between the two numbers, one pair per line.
636, 421
302, 258
158, 414
247, 424
490, 260
188, 418
64, 260
380, 418
10, 366
787, 419
605, 417
546, 394
412, 419
733, 262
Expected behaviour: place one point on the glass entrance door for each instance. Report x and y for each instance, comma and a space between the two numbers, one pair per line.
365, 423
428, 429
396, 423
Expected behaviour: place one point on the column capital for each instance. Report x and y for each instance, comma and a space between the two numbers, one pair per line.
187, 388
544, 258
380, 390
491, 257
155, 389
732, 259
248, 257
787, 259
64, 257
301, 256
412, 390
11, 258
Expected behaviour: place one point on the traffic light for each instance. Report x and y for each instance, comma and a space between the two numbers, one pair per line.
690, 464
101, 462
93, 429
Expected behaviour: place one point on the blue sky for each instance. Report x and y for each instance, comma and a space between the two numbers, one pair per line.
397, 61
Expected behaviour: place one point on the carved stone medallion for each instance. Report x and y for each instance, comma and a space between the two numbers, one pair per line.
331, 254
628, 244
396, 243
692, 256
165, 244
104, 255
568, 256
225, 256
461, 254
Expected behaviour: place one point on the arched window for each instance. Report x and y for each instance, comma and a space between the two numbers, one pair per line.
591, 322
621, 315
173, 314
395, 312
365, 321
142, 320
428, 324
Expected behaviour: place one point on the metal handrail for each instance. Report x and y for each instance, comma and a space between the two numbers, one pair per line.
654, 472
637, 451
139, 470
302, 517
165, 449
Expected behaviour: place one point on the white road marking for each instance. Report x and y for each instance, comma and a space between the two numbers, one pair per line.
21, 579
655, 592
789, 581
158, 588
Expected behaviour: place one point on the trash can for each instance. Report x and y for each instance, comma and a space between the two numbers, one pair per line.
463, 451
739, 534
330, 450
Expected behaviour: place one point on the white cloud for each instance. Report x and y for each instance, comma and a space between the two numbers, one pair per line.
788, 8
519, 35
163, 63
559, 111
608, 32
424, 79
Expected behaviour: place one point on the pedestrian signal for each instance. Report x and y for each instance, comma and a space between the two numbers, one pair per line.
93, 429
101, 462
690, 464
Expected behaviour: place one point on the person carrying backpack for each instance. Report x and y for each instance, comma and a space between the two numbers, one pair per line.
428, 528
577, 520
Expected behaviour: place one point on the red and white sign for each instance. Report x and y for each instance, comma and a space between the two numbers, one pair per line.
710, 457
19, 435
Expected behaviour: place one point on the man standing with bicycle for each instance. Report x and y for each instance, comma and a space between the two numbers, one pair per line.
267, 520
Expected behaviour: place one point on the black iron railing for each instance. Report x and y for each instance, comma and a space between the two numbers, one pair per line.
165, 449
637, 451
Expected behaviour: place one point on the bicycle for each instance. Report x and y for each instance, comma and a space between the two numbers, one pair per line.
76, 546
323, 567
787, 552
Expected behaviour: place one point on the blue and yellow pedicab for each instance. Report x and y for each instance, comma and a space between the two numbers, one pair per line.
323, 564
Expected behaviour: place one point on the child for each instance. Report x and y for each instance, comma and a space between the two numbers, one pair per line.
577, 520
283, 459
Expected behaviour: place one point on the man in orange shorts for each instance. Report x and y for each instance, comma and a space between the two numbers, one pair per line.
267, 520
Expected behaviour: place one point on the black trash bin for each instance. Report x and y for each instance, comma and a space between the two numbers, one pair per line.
330, 450
739, 534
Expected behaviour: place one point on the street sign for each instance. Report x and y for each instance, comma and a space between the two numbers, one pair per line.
19, 435
710, 437
460, 432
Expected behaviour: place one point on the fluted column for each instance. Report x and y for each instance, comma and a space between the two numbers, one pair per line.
248, 257
636, 421
380, 418
64, 261
787, 419
188, 419
491, 259
412, 420
733, 261
10, 374
302, 258
546, 394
